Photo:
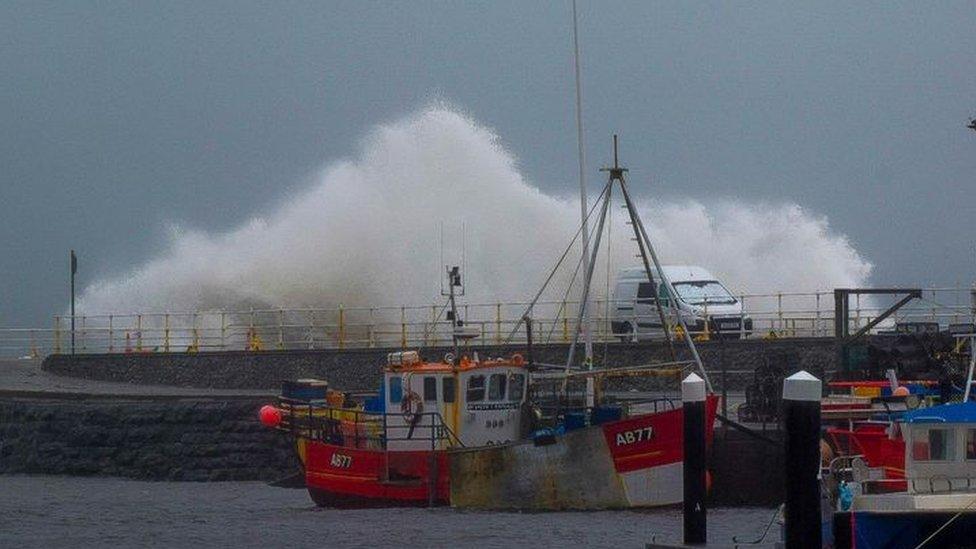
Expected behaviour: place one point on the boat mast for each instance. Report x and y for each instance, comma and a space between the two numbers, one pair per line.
585, 321
648, 250
616, 173
972, 367
649, 258
454, 281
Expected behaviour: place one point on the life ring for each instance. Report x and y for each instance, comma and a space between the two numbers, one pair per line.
517, 359
411, 407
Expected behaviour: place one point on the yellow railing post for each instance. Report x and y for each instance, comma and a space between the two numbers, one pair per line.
779, 310
498, 323
196, 332
372, 330
816, 325
57, 334
139, 333
565, 326
403, 327
433, 323
281, 329
311, 329
342, 327
707, 333
742, 317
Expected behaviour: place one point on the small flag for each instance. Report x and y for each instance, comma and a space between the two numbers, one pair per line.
74, 263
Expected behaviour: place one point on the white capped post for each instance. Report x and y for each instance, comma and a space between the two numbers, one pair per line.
801, 419
695, 486
693, 388
802, 386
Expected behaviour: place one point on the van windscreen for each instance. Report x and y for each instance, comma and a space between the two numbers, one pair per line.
703, 291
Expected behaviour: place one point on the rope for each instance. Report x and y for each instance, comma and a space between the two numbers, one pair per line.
772, 520
552, 272
606, 309
565, 300
947, 523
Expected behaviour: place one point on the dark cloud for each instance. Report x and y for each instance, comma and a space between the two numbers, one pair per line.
121, 118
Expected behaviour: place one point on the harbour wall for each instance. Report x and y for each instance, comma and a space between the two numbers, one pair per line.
154, 438
209, 439
360, 369
180, 439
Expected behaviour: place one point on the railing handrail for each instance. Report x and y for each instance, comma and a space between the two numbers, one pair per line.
440, 430
422, 306
780, 314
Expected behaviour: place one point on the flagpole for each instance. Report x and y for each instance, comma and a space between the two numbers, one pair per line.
74, 269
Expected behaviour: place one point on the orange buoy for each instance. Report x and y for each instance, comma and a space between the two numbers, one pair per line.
901, 391
270, 416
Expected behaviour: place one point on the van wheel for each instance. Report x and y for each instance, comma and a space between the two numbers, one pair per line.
627, 335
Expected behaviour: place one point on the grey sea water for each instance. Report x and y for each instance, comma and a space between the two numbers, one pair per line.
44, 511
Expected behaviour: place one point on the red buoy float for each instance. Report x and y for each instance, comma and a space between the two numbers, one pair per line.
270, 416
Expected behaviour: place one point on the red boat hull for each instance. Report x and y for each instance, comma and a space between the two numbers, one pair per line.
643, 457
340, 476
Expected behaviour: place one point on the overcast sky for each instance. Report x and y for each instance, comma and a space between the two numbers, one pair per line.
121, 118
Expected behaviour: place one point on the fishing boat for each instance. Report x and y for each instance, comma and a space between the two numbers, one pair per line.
864, 417
938, 506
863, 423
926, 492
462, 433
503, 432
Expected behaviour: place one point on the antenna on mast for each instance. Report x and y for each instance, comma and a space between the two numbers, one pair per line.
649, 258
617, 174
584, 324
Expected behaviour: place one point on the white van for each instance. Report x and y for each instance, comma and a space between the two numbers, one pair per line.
701, 298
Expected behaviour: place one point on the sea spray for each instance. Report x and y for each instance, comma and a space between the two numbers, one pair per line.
366, 233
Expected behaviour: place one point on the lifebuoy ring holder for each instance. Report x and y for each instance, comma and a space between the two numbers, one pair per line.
411, 407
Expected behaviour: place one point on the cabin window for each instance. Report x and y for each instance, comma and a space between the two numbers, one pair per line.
447, 388
970, 443
932, 445
430, 389
645, 292
517, 388
496, 386
476, 388
396, 390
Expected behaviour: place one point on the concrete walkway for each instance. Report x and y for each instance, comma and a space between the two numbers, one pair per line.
24, 378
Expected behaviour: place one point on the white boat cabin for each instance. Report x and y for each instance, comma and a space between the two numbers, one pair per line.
437, 405
940, 449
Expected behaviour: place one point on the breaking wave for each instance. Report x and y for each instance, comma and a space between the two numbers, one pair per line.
366, 233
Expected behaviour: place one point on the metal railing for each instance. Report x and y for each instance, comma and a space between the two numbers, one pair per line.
787, 314
358, 428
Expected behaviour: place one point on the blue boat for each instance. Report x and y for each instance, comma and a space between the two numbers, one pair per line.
938, 509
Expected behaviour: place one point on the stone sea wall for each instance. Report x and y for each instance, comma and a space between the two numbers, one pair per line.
359, 370
153, 439
217, 440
